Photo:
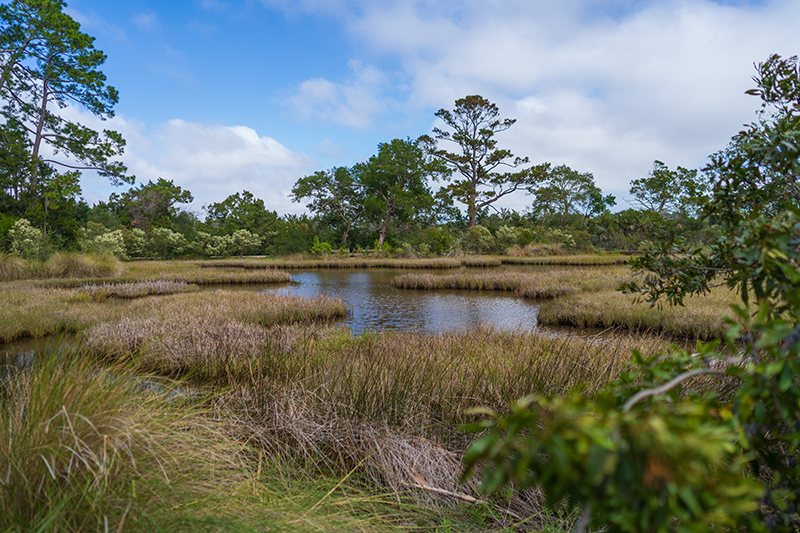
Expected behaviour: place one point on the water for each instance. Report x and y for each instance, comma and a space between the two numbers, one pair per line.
374, 305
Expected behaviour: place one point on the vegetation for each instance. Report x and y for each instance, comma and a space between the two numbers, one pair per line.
653, 453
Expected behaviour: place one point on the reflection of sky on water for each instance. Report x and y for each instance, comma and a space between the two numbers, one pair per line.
373, 304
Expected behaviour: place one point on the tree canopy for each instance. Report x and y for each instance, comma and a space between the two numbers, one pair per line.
482, 165
48, 64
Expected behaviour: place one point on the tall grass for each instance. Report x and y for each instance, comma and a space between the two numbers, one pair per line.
60, 265
12, 267
36, 312
540, 284
568, 260
701, 318
84, 449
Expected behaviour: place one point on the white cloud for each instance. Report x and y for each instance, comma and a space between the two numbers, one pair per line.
211, 161
604, 86
353, 102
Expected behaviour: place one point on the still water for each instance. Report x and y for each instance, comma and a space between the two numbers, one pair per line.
373, 304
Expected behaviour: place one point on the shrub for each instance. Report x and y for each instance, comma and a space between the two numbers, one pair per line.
28, 242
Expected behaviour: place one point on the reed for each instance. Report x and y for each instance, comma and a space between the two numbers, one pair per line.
703, 317
540, 284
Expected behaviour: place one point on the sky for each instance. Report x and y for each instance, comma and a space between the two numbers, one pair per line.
221, 96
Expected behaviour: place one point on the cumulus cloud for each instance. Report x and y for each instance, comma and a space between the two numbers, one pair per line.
353, 102
210, 160
606, 87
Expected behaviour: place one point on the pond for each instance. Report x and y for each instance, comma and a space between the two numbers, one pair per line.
374, 305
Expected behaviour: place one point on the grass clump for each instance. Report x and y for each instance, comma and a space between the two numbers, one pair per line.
76, 265
84, 449
12, 267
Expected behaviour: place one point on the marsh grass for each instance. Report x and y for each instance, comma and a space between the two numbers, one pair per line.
134, 289
85, 449
386, 406
335, 263
703, 317
539, 284
12, 267
481, 261
60, 265
567, 260
29, 311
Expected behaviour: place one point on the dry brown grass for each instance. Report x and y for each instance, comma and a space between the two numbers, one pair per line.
29, 311
135, 289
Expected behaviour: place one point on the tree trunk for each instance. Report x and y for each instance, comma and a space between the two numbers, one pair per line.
385, 227
37, 142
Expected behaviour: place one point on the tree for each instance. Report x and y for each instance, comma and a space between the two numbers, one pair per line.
477, 159
648, 454
150, 205
396, 179
48, 62
335, 190
567, 191
241, 211
669, 192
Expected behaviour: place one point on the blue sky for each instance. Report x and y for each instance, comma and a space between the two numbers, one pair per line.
228, 95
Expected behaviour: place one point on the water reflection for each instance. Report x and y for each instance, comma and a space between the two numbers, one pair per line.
373, 304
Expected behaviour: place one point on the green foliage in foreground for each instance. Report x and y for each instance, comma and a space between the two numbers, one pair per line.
664, 458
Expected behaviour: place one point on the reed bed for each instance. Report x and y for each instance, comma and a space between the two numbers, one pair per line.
336, 263
568, 260
221, 277
27, 311
703, 317
481, 261
541, 284
135, 289
90, 449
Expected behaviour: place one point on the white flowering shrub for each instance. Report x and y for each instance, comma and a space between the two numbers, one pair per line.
26, 241
112, 243
165, 243
245, 242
